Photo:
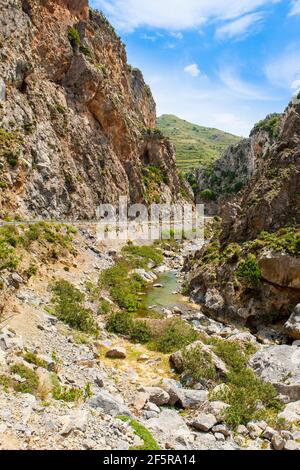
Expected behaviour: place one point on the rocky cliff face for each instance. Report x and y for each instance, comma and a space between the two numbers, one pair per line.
249, 272
77, 123
238, 164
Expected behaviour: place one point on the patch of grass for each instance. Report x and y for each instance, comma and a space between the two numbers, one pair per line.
124, 287
249, 272
6, 382
144, 254
104, 307
142, 432
140, 332
176, 335
153, 178
67, 394
34, 359
69, 308
30, 385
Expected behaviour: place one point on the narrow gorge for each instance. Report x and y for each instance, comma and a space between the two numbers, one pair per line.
174, 344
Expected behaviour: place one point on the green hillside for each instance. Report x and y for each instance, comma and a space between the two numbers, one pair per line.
195, 145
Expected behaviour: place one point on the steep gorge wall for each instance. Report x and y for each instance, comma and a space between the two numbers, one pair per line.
77, 123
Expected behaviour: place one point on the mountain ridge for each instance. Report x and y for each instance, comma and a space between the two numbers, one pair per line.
195, 145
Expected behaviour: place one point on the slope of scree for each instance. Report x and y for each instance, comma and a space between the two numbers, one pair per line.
77, 123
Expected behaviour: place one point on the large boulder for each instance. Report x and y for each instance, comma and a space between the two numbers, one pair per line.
291, 413
168, 426
279, 365
281, 269
157, 395
109, 404
292, 326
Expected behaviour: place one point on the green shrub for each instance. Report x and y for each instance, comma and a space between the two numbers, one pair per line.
31, 379
120, 323
140, 332
67, 394
245, 392
12, 158
208, 195
198, 364
249, 272
140, 430
104, 307
176, 335
74, 37
69, 309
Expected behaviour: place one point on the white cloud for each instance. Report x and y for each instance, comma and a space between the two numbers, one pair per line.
295, 9
296, 85
177, 35
231, 121
193, 70
239, 87
241, 27
175, 15
284, 70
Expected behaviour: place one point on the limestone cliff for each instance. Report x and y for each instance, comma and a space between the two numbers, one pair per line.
77, 123
249, 271
222, 180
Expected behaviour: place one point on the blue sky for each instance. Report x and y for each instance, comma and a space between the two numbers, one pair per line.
218, 63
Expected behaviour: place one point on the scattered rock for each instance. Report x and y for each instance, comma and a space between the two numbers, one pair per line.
76, 420
204, 422
279, 365
157, 395
277, 442
109, 404
291, 445
291, 413
292, 326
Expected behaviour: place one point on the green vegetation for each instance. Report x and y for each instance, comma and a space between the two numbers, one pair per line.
125, 285
195, 145
286, 239
208, 195
140, 430
176, 335
144, 255
68, 394
123, 323
153, 177
34, 359
249, 397
198, 364
249, 272
74, 37
68, 307
104, 307
31, 382
10, 146
270, 124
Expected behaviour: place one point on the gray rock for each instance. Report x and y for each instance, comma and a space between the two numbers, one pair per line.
204, 422
168, 425
277, 442
279, 365
157, 395
193, 398
76, 420
15, 280
241, 429
292, 326
292, 445
109, 404
151, 407
219, 436
221, 429
269, 433
291, 413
